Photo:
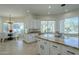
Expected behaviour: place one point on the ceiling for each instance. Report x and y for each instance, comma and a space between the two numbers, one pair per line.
36, 9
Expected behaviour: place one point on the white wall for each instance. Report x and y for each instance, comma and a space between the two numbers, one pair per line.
68, 14
31, 22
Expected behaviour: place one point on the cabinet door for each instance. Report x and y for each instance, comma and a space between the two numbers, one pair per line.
38, 45
55, 49
43, 47
46, 47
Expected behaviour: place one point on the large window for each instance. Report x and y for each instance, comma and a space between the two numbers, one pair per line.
18, 27
69, 25
5, 27
47, 26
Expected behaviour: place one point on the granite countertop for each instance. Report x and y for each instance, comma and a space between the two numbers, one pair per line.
70, 41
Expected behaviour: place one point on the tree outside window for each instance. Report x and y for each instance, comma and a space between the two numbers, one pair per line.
71, 25
47, 26
18, 27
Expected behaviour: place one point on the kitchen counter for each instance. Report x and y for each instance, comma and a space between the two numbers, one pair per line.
71, 41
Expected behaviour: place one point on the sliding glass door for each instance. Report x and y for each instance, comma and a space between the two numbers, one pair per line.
47, 26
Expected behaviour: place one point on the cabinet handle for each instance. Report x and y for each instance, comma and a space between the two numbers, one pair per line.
71, 52
54, 46
42, 47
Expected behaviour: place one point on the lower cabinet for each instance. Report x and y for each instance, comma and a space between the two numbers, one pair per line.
51, 48
55, 49
43, 47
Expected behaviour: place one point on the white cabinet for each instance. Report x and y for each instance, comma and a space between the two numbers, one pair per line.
43, 47
32, 24
55, 49
69, 51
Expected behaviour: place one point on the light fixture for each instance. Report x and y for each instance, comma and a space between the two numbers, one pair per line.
10, 20
49, 6
62, 5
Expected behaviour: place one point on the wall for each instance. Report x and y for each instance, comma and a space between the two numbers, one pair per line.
68, 14
31, 22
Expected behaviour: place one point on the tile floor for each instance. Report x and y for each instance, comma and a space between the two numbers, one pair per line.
17, 47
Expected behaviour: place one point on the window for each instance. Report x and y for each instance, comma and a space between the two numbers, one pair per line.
18, 27
69, 25
1, 23
5, 27
47, 26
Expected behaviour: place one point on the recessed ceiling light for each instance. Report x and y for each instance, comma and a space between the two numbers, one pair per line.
28, 10
49, 6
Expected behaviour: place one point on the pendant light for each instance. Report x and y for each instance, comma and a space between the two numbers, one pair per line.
10, 23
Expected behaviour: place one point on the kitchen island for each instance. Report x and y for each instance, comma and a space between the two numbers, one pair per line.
30, 38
